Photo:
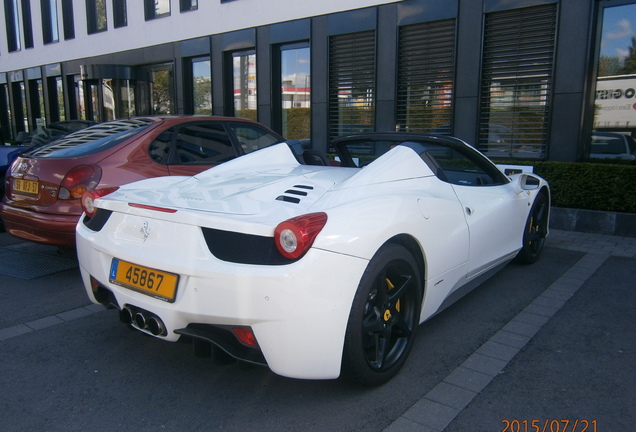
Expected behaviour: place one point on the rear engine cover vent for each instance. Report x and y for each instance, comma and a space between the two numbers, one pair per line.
292, 195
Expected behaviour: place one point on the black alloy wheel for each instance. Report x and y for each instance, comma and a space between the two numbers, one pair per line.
536, 230
384, 317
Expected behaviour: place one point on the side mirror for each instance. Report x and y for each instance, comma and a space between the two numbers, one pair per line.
527, 182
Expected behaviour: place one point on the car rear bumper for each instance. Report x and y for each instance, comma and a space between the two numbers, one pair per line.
297, 312
45, 228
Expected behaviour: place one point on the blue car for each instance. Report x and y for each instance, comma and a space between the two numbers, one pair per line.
8, 153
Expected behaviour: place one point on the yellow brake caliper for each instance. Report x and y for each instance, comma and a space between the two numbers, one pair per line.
387, 313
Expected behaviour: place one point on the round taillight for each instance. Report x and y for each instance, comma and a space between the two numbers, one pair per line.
294, 237
89, 197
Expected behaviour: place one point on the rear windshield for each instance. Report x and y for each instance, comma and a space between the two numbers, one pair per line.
92, 140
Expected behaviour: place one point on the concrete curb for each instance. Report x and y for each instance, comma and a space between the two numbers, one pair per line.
591, 221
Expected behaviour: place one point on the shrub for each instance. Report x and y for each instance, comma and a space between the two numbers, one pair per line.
590, 186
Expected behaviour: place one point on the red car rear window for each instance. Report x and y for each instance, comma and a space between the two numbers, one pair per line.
92, 140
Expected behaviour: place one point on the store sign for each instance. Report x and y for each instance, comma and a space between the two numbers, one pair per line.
615, 103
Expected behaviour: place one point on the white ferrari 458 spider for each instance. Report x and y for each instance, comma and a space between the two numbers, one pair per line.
315, 268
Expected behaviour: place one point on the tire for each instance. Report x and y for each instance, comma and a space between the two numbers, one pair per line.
384, 317
535, 231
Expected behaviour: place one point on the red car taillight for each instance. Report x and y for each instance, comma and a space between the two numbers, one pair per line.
80, 179
89, 197
295, 236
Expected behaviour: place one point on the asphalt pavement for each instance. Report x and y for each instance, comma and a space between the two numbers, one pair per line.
566, 363
546, 348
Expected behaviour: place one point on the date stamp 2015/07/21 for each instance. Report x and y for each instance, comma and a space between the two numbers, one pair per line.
549, 426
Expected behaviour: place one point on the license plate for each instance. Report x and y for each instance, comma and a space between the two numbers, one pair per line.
156, 283
25, 186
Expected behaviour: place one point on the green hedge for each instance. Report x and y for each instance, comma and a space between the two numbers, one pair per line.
589, 185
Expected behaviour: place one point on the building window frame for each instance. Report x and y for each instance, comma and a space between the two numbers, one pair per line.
27, 24
68, 19
37, 112
96, 20
55, 86
517, 82
12, 22
50, 30
352, 83
188, 5
241, 65
292, 104
155, 9
120, 14
198, 85
6, 118
426, 75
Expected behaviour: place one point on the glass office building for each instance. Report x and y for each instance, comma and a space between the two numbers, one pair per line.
520, 79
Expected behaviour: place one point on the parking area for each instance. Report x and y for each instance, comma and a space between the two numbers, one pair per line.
548, 342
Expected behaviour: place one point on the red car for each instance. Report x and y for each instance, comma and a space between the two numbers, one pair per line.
44, 186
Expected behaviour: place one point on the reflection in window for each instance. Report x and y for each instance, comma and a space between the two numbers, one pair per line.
36, 92
59, 89
96, 16
159, 149
80, 103
50, 31
203, 143
244, 77
95, 106
20, 104
23, 103
156, 9
616, 85
127, 99
6, 118
108, 89
201, 86
296, 92
56, 98
107, 98
162, 7
253, 137
188, 5
161, 91
17, 14
49, 21
12, 22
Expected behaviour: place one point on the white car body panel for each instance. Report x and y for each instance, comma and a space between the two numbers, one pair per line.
298, 311
495, 223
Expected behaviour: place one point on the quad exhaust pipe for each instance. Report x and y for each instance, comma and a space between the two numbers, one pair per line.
142, 320
126, 315
155, 326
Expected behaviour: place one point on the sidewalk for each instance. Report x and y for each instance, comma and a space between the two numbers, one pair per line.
576, 352
593, 243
